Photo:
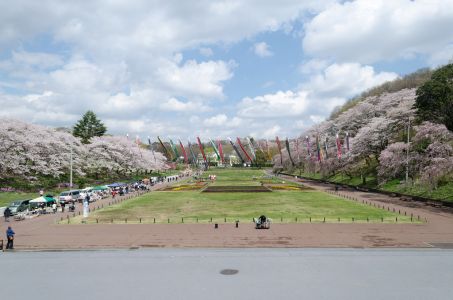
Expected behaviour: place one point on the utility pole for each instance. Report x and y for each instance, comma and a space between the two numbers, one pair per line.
407, 152
70, 169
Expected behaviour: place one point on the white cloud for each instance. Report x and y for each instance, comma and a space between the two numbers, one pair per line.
205, 51
174, 104
217, 120
313, 66
262, 49
271, 132
369, 31
441, 57
196, 79
345, 80
278, 105
222, 120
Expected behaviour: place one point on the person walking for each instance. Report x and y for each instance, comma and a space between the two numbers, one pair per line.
7, 214
10, 237
54, 207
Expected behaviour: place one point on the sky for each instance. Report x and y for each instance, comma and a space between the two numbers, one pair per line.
205, 68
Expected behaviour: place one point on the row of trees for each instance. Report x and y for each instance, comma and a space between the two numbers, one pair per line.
28, 152
378, 130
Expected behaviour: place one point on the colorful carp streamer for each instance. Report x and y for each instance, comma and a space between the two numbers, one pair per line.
251, 148
236, 150
243, 150
325, 147
279, 149
186, 159
194, 158
289, 152
168, 153
338, 147
347, 141
202, 151
215, 149
173, 148
319, 149
221, 151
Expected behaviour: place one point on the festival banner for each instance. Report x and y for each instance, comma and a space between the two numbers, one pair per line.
279, 149
243, 149
325, 147
186, 159
202, 151
289, 152
252, 150
173, 148
338, 147
347, 141
168, 153
215, 149
219, 143
318, 149
236, 150
194, 158
256, 143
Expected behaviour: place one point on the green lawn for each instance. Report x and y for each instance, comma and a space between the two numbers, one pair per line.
443, 192
7, 197
281, 206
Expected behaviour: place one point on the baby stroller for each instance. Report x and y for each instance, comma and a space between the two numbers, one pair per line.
71, 207
262, 222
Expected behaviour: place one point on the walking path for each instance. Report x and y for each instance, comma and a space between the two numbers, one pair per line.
43, 232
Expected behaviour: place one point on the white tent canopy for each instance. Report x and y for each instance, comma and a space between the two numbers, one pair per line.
41, 200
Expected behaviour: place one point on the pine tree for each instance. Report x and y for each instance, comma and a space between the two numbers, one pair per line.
88, 127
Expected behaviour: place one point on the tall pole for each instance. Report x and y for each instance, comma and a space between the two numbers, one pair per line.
407, 150
70, 169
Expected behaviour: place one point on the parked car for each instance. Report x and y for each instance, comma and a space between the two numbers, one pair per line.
83, 193
19, 206
69, 196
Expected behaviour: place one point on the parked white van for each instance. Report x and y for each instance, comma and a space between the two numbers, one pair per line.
69, 196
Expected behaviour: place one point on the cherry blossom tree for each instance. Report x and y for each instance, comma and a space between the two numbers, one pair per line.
31, 151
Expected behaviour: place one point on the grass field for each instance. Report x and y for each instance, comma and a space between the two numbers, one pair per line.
7, 197
281, 206
443, 192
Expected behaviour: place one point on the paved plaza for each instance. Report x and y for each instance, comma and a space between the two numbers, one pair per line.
256, 274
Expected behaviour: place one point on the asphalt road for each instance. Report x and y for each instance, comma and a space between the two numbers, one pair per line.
195, 274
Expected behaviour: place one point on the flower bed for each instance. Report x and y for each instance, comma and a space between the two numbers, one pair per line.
237, 189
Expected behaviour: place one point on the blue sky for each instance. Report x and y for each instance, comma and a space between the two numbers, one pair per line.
209, 68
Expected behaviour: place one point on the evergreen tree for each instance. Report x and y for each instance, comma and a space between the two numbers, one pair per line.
88, 127
435, 98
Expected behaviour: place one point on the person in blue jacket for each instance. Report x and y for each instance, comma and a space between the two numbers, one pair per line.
10, 237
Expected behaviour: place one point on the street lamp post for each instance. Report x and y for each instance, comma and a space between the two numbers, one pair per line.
407, 150
70, 169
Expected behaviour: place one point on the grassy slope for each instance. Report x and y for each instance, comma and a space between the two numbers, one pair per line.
239, 206
7, 197
444, 192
